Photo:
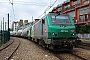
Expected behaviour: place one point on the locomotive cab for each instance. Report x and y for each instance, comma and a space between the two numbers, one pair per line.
54, 31
59, 31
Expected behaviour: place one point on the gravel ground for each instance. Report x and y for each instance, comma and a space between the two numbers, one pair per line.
85, 40
6, 44
7, 52
30, 51
82, 52
67, 56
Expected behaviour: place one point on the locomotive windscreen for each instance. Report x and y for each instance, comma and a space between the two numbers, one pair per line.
60, 19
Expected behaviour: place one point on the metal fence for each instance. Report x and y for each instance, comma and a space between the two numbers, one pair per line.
4, 37
85, 36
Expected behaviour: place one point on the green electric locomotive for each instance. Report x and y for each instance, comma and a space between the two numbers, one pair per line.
54, 31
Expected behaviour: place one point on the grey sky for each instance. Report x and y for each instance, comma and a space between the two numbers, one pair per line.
24, 9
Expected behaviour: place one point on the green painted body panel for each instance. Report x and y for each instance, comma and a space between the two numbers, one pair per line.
71, 20
60, 32
48, 18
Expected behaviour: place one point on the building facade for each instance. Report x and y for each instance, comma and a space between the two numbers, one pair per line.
14, 26
78, 9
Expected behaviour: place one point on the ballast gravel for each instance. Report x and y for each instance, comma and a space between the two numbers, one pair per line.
28, 50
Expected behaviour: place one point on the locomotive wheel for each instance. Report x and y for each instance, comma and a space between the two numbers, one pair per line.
32, 39
47, 46
40, 42
28, 38
43, 44
35, 40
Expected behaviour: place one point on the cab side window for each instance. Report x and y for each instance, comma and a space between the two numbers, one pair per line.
43, 21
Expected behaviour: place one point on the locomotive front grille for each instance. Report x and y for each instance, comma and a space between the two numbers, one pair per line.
63, 34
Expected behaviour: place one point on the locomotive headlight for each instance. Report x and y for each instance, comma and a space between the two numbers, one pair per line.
53, 33
72, 34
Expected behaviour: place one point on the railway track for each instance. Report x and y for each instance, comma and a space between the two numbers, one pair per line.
7, 52
56, 54
84, 46
68, 56
6, 45
77, 56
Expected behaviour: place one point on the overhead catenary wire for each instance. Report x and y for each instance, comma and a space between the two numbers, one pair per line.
50, 2
29, 2
12, 8
41, 15
32, 3
13, 11
49, 7
26, 3
10, 1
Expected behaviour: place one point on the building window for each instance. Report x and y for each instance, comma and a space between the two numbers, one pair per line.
71, 13
83, 15
86, 1
67, 7
81, 18
86, 11
60, 9
86, 17
75, 2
